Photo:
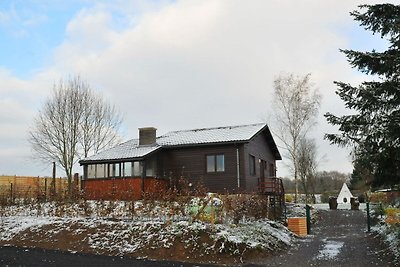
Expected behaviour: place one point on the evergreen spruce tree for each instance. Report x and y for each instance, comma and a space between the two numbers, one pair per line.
373, 129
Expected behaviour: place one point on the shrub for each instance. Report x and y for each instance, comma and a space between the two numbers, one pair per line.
378, 210
378, 197
289, 198
325, 196
246, 206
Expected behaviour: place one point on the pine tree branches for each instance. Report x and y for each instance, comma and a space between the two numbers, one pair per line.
373, 127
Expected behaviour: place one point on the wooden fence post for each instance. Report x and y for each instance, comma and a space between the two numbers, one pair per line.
45, 189
76, 185
11, 192
53, 182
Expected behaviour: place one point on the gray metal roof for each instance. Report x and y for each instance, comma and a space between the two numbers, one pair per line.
210, 135
132, 150
127, 150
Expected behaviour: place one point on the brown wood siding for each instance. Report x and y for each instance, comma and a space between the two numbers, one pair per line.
190, 162
257, 147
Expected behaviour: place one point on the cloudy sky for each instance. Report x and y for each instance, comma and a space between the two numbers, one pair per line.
173, 64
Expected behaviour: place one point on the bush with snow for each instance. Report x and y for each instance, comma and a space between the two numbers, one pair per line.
387, 224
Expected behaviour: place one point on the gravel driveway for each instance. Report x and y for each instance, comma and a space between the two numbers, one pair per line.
338, 239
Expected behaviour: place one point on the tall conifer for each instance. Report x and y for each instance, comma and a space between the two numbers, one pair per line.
373, 128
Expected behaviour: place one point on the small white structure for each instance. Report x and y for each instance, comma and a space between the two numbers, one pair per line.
344, 195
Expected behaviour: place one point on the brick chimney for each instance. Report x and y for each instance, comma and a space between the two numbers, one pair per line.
147, 136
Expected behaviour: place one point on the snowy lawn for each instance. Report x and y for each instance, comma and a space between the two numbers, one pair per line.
152, 230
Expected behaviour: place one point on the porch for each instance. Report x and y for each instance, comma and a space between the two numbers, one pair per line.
273, 189
271, 186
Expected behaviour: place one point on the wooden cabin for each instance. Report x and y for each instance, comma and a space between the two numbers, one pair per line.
224, 159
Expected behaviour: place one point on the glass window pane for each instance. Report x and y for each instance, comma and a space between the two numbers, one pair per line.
116, 170
211, 163
100, 171
111, 170
220, 163
91, 171
127, 169
136, 169
151, 168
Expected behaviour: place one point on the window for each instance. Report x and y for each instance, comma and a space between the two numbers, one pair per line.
151, 167
220, 159
136, 169
216, 163
123, 169
91, 171
101, 170
114, 170
117, 169
252, 165
211, 163
127, 169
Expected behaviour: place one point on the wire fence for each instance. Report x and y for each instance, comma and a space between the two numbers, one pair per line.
32, 187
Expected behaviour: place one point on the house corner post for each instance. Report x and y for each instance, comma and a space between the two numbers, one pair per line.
143, 176
238, 168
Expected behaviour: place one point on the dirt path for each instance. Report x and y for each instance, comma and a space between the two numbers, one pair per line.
338, 239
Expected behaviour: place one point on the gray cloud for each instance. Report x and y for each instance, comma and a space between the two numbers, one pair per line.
206, 63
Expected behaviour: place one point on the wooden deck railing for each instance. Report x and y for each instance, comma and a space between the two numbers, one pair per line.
271, 186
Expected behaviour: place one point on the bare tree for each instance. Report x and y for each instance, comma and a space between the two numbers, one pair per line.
296, 103
73, 122
307, 167
100, 122
330, 181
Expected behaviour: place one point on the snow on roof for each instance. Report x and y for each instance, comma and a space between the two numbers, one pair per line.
210, 135
132, 149
127, 150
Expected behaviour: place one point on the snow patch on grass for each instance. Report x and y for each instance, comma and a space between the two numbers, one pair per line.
13, 225
391, 235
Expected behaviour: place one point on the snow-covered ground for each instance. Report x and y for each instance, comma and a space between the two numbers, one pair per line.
137, 228
126, 228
